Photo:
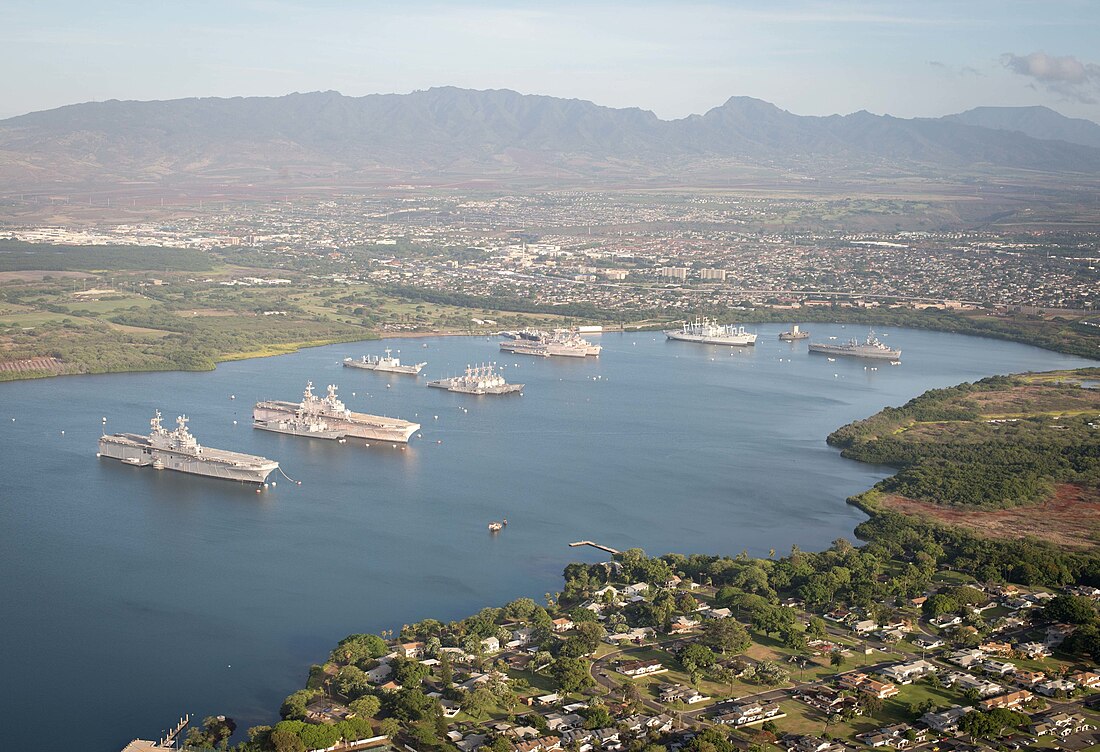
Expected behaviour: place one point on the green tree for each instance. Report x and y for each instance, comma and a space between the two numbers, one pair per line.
696, 657
571, 674
477, 703
294, 706
366, 706
727, 636
1073, 609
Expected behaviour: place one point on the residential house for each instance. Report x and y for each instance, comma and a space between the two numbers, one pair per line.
947, 721
559, 722
1034, 650
683, 625
998, 668
1028, 678
1052, 687
928, 642
1060, 724
966, 658
1089, 679
411, 650
541, 744
996, 647
943, 621
863, 683
895, 737
964, 682
905, 673
562, 624
490, 645
680, 693
640, 668
584, 740
748, 714
1012, 700
865, 626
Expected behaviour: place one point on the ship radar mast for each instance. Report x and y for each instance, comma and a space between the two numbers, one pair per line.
155, 423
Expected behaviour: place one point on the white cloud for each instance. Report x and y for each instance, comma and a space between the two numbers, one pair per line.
1064, 75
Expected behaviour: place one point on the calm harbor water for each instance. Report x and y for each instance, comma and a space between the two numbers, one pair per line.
131, 596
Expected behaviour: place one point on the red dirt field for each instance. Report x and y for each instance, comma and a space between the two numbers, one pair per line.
1071, 518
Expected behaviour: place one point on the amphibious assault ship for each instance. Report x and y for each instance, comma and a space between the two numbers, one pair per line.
869, 348
566, 343
794, 334
179, 450
336, 417
477, 380
388, 364
710, 332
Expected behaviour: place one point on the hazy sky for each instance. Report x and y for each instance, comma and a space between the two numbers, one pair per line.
921, 57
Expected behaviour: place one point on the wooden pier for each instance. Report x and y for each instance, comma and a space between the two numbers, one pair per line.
609, 549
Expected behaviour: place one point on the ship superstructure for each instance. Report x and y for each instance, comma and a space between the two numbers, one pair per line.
710, 332
869, 348
794, 334
481, 379
179, 450
388, 364
336, 416
566, 343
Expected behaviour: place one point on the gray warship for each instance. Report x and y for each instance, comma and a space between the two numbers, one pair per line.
336, 417
566, 343
388, 364
178, 450
477, 380
869, 348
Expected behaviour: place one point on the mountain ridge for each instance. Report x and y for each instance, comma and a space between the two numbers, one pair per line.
451, 131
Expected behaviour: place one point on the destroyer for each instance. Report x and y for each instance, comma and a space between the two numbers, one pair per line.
336, 417
477, 380
388, 364
794, 334
179, 450
710, 332
869, 348
566, 343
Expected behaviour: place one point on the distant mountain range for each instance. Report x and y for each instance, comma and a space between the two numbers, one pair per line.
460, 134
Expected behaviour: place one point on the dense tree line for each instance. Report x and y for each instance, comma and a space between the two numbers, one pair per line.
975, 462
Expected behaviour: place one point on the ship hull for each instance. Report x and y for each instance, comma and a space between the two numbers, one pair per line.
538, 351
446, 384
737, 340
279, 427
133, 453
847, 353
360, 426
408, 370
787, 337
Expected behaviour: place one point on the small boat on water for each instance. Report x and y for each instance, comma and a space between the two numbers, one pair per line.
496, 527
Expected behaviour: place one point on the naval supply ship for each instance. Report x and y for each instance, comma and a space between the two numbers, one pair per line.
794, 334
565, 343
388, 364
869, 348
179, 450
336, 417
477, 380
710, 332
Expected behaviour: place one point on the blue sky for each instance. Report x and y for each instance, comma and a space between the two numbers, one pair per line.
916, 58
